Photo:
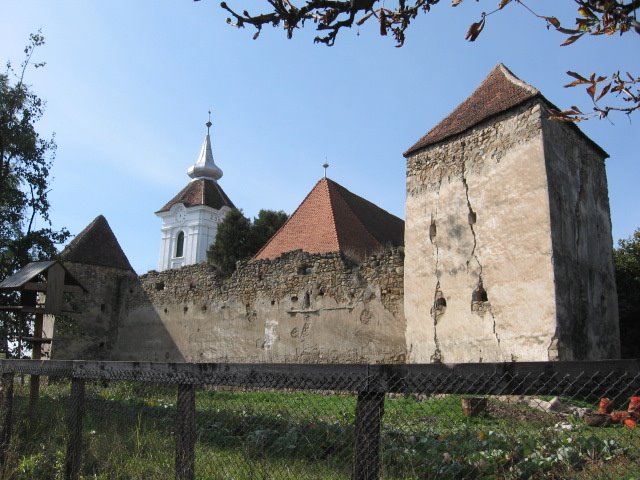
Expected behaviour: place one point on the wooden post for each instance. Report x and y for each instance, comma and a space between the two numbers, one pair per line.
186, 432
6, 408
74, 447
36, 354
366, 448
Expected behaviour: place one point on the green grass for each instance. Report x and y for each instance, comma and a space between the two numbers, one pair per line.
128, 434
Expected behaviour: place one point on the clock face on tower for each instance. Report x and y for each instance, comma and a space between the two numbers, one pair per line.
181, 214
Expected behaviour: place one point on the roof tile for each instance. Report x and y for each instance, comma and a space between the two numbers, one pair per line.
201, 191
96, 245
500, 91
332, 219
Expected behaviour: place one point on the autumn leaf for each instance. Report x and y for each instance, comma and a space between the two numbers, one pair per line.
570, 40
577, 76
604, 91
553, 21
474, 30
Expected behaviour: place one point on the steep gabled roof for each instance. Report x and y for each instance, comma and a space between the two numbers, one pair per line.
201, 191
332, 219
96, 245
499, 92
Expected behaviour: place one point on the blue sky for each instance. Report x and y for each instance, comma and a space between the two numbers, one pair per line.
128, 86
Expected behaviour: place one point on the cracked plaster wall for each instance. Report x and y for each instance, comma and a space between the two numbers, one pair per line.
298, 308
587, 309
478, 236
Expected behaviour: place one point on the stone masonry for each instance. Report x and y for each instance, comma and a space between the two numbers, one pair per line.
299, 308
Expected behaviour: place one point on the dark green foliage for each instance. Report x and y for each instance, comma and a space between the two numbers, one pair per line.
627, 263
265, 225
232, 242
239, 239
25, 161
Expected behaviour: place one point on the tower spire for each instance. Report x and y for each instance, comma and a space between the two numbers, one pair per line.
205, 167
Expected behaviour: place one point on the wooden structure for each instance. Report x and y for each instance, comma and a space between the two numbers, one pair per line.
42, 287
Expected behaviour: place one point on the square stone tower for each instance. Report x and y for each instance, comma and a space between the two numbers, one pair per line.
508, 235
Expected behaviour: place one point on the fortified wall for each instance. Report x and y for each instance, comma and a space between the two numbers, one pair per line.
298, 308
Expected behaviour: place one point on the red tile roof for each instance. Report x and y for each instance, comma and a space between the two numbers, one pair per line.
96, 245
499, 92
332, 219
201, 191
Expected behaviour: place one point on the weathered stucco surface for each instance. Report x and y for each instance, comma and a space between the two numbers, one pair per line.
483, 233
477, 218
89, 326
298, 308
587, 308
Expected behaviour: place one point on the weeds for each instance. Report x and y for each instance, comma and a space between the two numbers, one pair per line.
128, 434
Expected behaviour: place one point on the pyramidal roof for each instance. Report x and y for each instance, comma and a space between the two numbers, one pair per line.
201, 191
499, 92
332, 219
96, 245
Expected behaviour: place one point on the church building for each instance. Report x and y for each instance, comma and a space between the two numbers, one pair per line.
190, 219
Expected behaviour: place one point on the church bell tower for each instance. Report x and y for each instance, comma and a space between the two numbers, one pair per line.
190, 219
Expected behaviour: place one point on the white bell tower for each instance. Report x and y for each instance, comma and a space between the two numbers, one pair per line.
190, 219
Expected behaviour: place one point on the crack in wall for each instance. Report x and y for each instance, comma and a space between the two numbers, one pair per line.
495, 332
471, 219
437, 353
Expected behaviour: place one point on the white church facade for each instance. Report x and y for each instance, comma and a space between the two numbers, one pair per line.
190, 219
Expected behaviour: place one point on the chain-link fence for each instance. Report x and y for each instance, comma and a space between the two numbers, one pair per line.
121, 420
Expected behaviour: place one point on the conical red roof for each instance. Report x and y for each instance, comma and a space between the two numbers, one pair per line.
96, 245
332, 219
499, 92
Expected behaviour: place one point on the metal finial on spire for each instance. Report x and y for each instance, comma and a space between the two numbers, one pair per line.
208, 124
325, 166
205, 167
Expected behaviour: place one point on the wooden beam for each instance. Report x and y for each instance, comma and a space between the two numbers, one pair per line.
366, 446
42, 287
74, 445
55, 289
186, 432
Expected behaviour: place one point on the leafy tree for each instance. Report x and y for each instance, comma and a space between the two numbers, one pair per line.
25, 161
594, 17
232, 242
239, 239
627, 263
265, 225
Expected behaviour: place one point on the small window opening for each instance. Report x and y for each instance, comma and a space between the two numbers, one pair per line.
305, 270
307, 300
159, 286
180, 245
294, 298
479, 294
103, 307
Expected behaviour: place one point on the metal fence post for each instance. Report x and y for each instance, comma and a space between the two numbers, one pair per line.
185, 432
74, 447
6, 408
366, 448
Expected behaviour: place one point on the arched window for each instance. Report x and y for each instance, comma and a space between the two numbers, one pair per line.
180, 245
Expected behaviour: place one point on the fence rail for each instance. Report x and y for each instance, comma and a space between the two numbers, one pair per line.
373, 433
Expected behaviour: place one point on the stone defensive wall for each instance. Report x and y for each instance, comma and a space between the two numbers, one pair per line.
298, 308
